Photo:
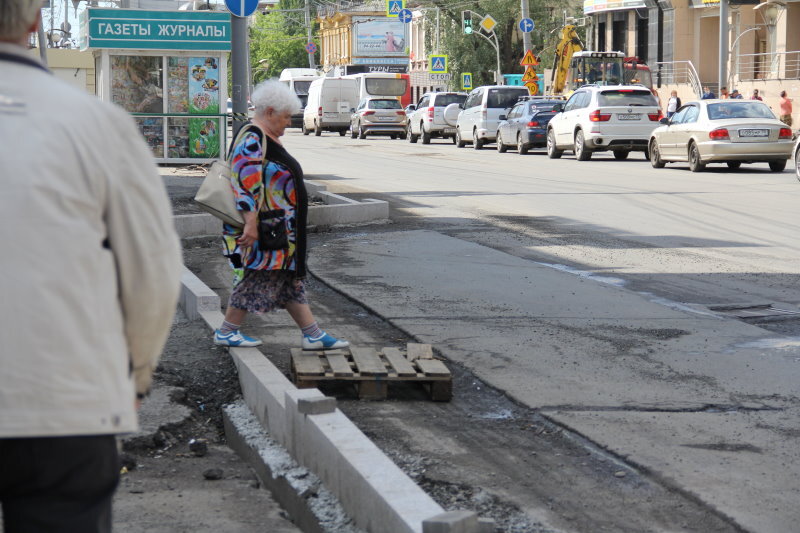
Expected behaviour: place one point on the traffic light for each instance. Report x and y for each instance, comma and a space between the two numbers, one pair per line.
466, 21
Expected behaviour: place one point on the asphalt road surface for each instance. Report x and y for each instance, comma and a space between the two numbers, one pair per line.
651, 312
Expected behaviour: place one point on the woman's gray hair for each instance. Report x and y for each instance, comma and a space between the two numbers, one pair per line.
277, 95
16, 16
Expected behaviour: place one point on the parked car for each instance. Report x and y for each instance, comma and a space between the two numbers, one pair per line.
596, 118
378, 116
427, 121
797, 158
525, 126
329, 103
478, 121
722, 131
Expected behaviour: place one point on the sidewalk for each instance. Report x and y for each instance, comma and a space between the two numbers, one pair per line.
167, 490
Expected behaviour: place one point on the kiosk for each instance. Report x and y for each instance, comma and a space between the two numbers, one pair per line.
169, 70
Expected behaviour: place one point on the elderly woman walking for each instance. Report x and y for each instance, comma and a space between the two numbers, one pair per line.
268, 255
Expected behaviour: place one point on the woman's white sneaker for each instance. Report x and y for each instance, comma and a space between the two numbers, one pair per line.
235, 339
323, 342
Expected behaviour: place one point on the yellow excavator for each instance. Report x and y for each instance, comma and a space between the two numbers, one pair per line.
566, 48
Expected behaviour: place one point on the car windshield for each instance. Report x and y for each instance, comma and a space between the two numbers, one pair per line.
386, 86
384, 104
627, 97
745, 109
504, 98
444, 100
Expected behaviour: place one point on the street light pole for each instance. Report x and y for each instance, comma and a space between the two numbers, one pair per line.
724, 51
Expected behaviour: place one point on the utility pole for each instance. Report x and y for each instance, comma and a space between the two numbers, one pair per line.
437, 30
526, 36
311, 62
240, 71
723, 45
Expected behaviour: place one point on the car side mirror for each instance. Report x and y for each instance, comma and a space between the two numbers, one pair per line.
664, 120
412, 107
558, 108
352, 109
461, 106
502, 117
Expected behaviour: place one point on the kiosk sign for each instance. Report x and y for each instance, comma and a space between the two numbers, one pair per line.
155, 30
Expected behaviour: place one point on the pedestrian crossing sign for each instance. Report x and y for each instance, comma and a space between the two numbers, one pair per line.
466, 81
437, 64
394, 7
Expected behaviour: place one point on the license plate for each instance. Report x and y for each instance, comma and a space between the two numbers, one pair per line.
385, 119
331, 115
628, 116
449, 130
753, 133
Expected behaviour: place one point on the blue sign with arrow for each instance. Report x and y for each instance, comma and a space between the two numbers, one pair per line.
526, 25
242, 8
405, 16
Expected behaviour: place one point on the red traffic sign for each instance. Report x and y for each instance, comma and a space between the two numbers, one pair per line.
311, 48
529, 60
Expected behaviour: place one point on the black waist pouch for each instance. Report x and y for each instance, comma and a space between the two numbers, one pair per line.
272, 230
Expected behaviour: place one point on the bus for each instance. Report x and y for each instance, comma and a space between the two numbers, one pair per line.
299, 80
383, 84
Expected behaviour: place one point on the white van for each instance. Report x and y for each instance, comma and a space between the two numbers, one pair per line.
299, 80
330, 101
480, 116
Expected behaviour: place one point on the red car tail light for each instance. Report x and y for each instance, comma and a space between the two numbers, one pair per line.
401, 113
719, 134
655, 117
430, 112
319, 111
597, 116
785, 133
366, 113
533, 124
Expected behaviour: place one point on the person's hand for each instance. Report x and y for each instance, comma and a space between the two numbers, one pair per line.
249, 234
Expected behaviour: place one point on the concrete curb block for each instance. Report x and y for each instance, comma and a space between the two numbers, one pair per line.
196, 297
372, 489
338, 210
312, 507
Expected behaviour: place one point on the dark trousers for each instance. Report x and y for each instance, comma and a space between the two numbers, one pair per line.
58, 484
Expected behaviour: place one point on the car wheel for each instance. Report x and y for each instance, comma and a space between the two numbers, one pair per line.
501, 147
655, 155
733, 165
695, 163
621, 155
353, 132
459, 141
581, 152
403, 136
453, 139
411, 137
342, 133
552, 151
426, 135
522, 148
305, 130
362, 133
777, 166
477, 144
797, 163
317, 130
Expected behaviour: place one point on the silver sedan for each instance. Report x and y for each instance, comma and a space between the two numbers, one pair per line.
722, 131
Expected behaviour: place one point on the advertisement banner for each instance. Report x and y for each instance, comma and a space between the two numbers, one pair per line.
203, 100
379, 37
595, 6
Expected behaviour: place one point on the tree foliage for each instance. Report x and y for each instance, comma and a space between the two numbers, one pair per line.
277, 41
472, 53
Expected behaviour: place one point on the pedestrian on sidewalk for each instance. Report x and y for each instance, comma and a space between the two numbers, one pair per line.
708, 94
90, 278
723, 93
756, 96
269, 190
673, 104
786, 109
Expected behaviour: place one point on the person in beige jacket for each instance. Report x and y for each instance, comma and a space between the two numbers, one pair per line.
89, 278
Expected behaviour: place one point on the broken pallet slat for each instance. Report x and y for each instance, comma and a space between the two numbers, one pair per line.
367, 362
418, 351
433, 367
307, 363
339, 364
401, 365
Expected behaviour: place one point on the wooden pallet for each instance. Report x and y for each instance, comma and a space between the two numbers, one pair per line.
371, 371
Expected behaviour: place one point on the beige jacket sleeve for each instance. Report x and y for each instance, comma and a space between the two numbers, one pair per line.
146, 249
